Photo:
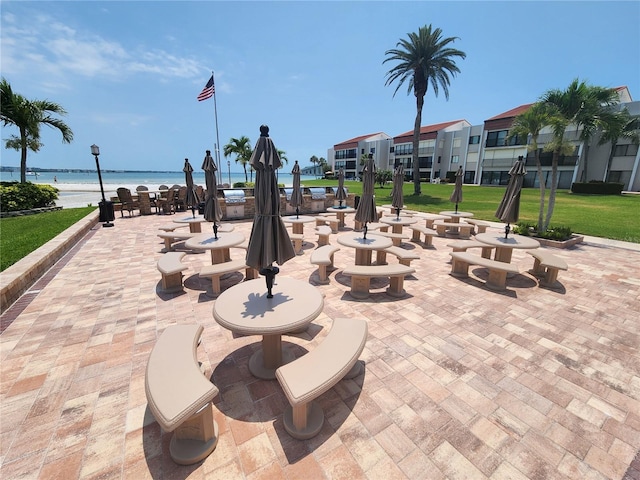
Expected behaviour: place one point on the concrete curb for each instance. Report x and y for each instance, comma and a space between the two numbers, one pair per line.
19, 277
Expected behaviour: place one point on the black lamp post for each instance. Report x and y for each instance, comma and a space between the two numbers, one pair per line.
229, 171
106, 208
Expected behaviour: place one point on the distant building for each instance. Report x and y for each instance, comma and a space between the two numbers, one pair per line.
486, 156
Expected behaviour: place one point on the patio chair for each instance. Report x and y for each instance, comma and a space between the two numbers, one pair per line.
127, 201
180, 199
153, 198
166, 201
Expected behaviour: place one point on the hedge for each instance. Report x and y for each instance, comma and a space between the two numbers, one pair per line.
25, 196
598, 188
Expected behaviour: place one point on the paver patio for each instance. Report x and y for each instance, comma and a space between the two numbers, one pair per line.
461, 382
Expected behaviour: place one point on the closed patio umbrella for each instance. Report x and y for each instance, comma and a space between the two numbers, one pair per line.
341, 194
296, 195
397, 197
509, 208
212, 210
366, 211
269, 241
456, 195
192, 197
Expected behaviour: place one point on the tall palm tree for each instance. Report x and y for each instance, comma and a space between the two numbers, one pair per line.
529, 124
314, 161
622, 125
28, 116
241, 147
424, 59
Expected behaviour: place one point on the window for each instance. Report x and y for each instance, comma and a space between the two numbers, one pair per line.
372, 150
456, 142
497, 138
630, 150
474, 139
406, 149
455, 159
342, 154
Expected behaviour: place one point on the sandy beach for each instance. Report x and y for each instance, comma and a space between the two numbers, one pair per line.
75, 195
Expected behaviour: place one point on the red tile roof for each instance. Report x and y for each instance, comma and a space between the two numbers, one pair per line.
353, 142
435, 128
514, 112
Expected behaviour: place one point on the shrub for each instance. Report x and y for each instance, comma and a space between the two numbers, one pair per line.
598, 188
528, 229
25, 196
244, 185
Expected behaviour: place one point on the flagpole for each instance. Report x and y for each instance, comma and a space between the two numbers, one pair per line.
215, 108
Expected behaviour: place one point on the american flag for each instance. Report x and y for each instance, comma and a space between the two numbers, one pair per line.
207, 91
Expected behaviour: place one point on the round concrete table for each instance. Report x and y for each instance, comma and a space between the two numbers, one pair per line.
341, 213
397, 223
219, 247
456, 216
245, 309
297, 222
364, 247
505, 246
194, 222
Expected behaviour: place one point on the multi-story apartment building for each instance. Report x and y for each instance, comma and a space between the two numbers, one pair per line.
486, 155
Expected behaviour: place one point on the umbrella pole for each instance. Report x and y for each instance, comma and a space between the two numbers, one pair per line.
456, 207
507, 229
215, 230
397, 213
193, 211
297, 212
365, 231
269, 276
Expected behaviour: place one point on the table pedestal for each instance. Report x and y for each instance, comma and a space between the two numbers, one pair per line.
264, 363
363, 257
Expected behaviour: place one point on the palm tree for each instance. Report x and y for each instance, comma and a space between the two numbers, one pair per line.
241, 147
28, 116
621, 125
314, 161
529, 124
424, 59
581, 105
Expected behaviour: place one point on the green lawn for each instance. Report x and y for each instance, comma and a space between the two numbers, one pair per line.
609, 216
19, 236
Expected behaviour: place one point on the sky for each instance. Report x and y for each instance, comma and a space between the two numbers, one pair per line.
128, 72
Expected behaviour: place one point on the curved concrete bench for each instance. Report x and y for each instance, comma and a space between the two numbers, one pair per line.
311, 375
328, 219
171, 267
323, 257
421, 230
323, 232
396, 238
432, 217
404, 256
173, 237
361, 278
462, 245
497, 270
480, 226
179, 395
297, 239
547, 265
172, 226
462, 229
217, 270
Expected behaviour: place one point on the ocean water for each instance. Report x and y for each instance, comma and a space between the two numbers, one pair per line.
113, 180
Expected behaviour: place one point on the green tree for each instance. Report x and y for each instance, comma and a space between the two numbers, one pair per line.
314, 161
383, 176
28, 116
424, 59
529, 124
581, 105
241, 148
622, 125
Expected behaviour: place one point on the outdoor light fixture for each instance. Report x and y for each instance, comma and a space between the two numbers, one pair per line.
106, 208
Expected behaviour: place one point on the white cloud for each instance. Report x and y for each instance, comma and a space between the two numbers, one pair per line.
50, 47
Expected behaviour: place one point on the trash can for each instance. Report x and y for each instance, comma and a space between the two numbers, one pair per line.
356, 201
106, 211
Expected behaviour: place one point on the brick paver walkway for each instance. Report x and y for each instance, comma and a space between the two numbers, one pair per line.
460, 382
